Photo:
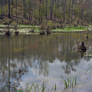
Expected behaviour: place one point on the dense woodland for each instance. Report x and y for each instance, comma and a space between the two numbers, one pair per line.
37, 12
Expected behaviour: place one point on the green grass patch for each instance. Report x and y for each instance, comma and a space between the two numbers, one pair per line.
71, 29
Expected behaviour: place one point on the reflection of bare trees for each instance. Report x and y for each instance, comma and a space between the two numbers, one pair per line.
46, 48
24, 52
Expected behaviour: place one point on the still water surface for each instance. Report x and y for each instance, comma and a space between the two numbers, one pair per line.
45, 59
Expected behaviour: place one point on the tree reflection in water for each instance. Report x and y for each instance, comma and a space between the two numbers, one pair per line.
20, 54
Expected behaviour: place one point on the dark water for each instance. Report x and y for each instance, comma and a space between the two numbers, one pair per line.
50, 59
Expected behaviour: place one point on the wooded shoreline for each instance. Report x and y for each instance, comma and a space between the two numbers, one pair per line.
36, 30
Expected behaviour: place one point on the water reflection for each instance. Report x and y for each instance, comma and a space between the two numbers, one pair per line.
28, 59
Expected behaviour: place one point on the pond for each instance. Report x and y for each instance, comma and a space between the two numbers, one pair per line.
48, 60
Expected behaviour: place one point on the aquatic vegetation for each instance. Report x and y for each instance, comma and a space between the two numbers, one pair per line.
37, 88
55, 87
20, 90
70, 82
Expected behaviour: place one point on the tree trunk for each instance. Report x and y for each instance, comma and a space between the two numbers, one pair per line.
9, 9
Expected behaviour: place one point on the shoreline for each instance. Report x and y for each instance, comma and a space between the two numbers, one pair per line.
27, 29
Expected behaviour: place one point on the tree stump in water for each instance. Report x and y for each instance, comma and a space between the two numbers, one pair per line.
32, 31
48, 32
82, 47
87, 37
16, 33
8, 33
42, 33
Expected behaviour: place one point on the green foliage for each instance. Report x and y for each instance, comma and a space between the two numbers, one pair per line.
35, 11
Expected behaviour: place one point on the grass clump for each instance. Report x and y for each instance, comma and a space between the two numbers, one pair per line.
70, 83
37, 88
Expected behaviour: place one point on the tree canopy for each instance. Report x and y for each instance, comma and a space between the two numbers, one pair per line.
36, 11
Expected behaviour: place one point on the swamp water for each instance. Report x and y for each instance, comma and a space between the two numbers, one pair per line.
48, 60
